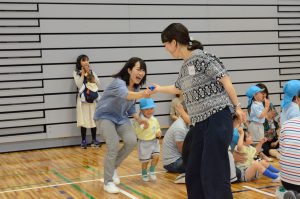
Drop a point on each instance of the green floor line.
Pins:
(73, 185)
(134, 191)
(121, 184)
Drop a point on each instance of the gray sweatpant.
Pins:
(115, 155)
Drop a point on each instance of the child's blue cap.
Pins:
(252, 90)
(146, 103)
(290, 90)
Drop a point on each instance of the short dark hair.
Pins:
(179, 33)
(78, 62)
(124, 75)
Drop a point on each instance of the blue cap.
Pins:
(146, 103)
(290, 90)
(252, 90)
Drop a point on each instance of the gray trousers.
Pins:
(115, 155)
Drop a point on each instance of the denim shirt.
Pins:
(113, 104)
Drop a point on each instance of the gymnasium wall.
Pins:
(257, 40)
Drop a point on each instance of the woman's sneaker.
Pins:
(95, 143)
(83, 144)
(110, 187)
(180, 179)
(116, 178)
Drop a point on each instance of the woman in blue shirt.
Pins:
(116, 105)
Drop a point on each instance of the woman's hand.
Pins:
(156, 88)
(240, 114)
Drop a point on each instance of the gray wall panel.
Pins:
(20, 69)
(37, 61)
(20, 100)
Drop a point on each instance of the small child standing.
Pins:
(88, 93)
(148, 144)
(257, 112)
(251, 168)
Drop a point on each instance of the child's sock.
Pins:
(270, 174)
(273, 169)
(152, 168)
(144, 172)
(144, 175)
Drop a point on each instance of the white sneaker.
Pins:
(180, 179)
(280, 191)
(145, 178)
(116, 178)
(276, 179)
(152, 176)
(110, 187)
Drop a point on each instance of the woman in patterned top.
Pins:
(208, 94)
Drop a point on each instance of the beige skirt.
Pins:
(85, 114)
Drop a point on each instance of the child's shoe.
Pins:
(145, 178)
(152, 176)
(110, 187)
(280, 191)
(116, 178)
(95, 143)
(83, 144)
(276, 179)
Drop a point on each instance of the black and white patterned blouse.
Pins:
(198, 79)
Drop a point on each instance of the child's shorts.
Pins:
(257, 131)
(243, 175)
(148, 148)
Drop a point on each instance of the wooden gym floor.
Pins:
(72, 172)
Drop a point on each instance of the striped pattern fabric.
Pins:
(290, 151)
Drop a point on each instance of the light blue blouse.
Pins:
(113, 104)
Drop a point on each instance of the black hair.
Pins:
(78, 62)
(246, 134)
(262, 86)
(124, 75)
(179, 33)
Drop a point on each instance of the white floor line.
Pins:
(259, 191)
(67, 183)
(123, 191)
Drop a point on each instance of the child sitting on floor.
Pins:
(251, 168)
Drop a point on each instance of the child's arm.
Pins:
(240, 143)
(259, 145)
(140, 121)
(265, 110)
(158, 134)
